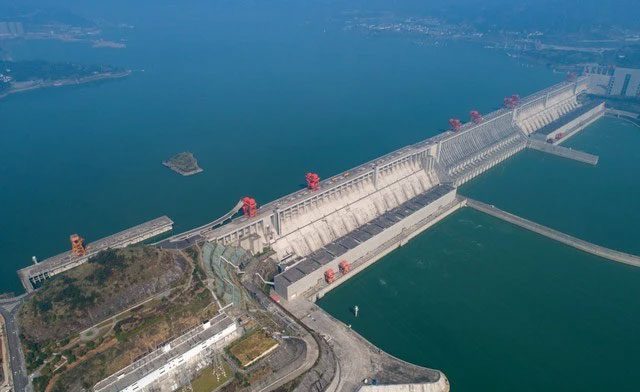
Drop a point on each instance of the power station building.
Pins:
(614, 81)
(319, 232)
(162, 369)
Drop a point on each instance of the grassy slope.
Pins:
(107, 284)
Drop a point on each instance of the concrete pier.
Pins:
(358, 359)
(563, 152)
(630, 117)
(566, 239)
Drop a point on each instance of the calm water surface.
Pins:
(261, 96)
(498, 308)
(597, 203)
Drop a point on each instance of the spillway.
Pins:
(354, 212)
(312, 231)
(472, 151)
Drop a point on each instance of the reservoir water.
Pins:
(261, 94)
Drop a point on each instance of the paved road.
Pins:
(9, 310)
(358, 359)
(190, 237)
(179, 244)
(311, 352)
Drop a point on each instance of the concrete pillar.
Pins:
(376, 174)
(426, 161)
(277, 220)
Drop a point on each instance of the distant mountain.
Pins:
(41, 15)
(542, 15)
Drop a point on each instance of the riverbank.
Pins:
(20, 87)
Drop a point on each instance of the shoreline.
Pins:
(36, 85)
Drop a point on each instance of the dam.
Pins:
(320, 234)
(34, 275)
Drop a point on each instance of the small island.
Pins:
(184, 163)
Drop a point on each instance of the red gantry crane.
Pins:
(512, 101)
(329, 275)
(345, 267)
(249, 207)
(455, 124)
(77, 245)
(476, 117)
(313, 181)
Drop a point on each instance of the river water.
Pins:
(498, 308)
(264, 94)
(259, 94)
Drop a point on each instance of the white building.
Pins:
(604, 80)
(159, 369)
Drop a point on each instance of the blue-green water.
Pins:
(260, 94)
(597, 203)
(263, 94)
(498, 308)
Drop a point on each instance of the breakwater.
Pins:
(566, 239)
(563, 152)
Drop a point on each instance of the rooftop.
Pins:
(567, 118)
(341, 245)
(161, 356)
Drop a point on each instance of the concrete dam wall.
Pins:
(327, 218)
(356, 211)
(470, 152)
(548, 105)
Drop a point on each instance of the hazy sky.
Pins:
(547, 15)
